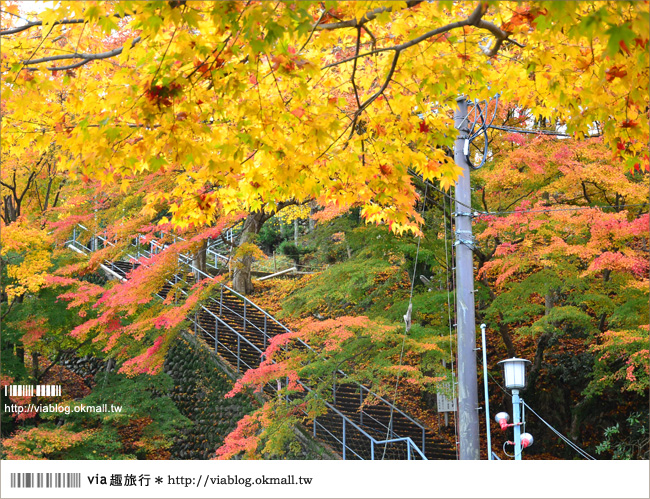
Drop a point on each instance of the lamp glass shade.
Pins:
(514, 373)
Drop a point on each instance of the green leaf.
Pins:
(157, 162)
(108, 24)
(154, 22)
(618, 34)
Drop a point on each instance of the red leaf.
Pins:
(624, 47)
(614, 72)
(386, 169)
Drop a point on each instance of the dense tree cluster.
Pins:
(174, 121)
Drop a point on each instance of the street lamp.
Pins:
(514, 375)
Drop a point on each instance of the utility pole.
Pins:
(466, 328)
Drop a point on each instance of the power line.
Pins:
(407, 320)
(580, 451)
(544, 210)
(427, 183)
(571, 444)
(450, 285)
(526, 130)
(476, 212)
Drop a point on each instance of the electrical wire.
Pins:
(525, 130)
(544, 210)
(476, 212)
(575, 447)
(450, 284)
(407, 327)
(482, 130)
(580, 451)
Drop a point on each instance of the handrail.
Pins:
(282, 272)
(308, 389)
(258, 308)
(218, 320)
(249, 301)
(362, 387)
(240, 316)
(404, 439)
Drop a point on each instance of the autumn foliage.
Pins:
(146, 130)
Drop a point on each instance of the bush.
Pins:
(293, 251)
(270, 236)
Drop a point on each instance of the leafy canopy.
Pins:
(244, 105)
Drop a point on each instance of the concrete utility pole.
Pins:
(466, 327)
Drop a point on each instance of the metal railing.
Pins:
(334, 427)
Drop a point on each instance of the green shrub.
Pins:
(270, 236)
(293, 251)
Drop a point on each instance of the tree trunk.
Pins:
(549, 302)
(35, 372)
(505, 336)
(11, 214)
(200, 261)
(241, 279)
(295, 231)
(312, 223)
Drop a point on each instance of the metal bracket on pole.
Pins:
(466, 242)
(467, 376)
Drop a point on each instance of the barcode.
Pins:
(31, 390)
(46, 480)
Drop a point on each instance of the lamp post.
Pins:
(514, 375)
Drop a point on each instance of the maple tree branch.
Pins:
(367, 17)
(372, 37)
(32, 24)
(12, 188)
(15, 15)
(38, 196)
(584, 191)
(403, 46)
(58, 192)
(57, 358)
(372, 98)
(85, 58)
(313, 30)
(277, 85)
(46, 197)
(499, 35)
(8, 309)
(483, 200)
(474, 19)
(228, 243)
(517, 200)
(354, 69)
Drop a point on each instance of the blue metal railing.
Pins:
(355, 442)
